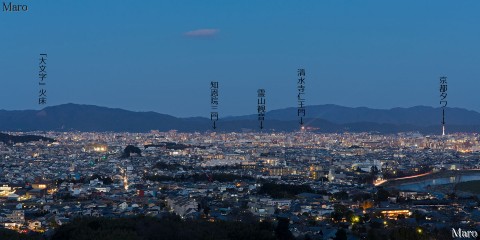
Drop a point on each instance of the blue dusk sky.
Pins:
(161, 55)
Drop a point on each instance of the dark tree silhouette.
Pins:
(382, 195)
(131, 149)
(341, 234)
(282, 231)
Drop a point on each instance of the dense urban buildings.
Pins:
(323, 185)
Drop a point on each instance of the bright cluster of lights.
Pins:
(100, 149)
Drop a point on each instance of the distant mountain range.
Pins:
(323, 118)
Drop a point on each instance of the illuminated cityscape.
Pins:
(374, 178)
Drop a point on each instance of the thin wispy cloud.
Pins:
(201, 33)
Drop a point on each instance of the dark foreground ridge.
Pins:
(140, 228)
(167, 228)
(173, 228)
(321, 118)
(11, 139)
